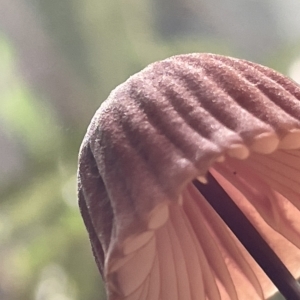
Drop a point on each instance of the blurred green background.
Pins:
(59, 60)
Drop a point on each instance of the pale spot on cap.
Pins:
(265, 143)
(135, 242)
(239, 151)
(291, 140)
(220, 159)
(202, 179)
(158, 216)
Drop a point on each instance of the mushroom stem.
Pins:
(249, 237)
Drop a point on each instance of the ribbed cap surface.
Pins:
(166, 126)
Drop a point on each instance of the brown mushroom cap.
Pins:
(153, 234)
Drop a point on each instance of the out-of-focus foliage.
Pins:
(59, 59)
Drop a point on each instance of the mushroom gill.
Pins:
(183, 134)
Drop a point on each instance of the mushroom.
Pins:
(189, 182)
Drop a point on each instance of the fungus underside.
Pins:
(252, 240)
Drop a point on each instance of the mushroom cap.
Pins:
(152, 233)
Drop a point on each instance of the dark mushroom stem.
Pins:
(249, 237)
